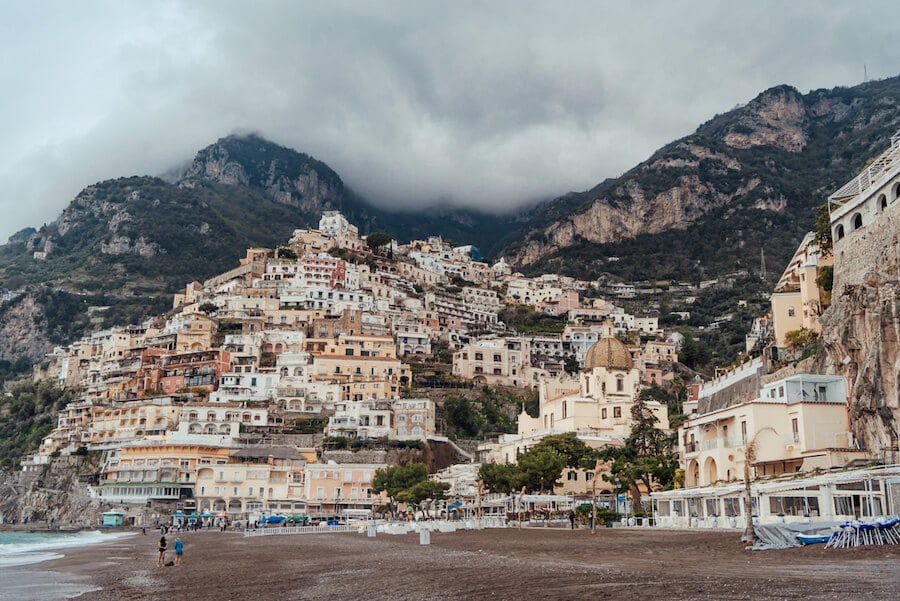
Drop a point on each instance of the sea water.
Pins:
(19, 549)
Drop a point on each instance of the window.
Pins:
(572, 476)
(603, 413)
(732, 506)
(479, 356)
(497, 358)
(620, 384)
(617, 412)
(791, 312)
(795, 428)
(794, 505)
(857, 221)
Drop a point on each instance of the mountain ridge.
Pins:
(773, 159)
(702, 205)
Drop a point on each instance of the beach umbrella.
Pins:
(206, 515)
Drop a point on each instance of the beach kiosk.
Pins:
(112, 518)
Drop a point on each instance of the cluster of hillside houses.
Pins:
(327, 327)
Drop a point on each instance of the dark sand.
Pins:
(511, 564)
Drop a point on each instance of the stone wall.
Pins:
(861, 330)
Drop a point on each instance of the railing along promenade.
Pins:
(385, 528)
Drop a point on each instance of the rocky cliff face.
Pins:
(21, 333)
(776, 118)
(56, 492)
(682, 181)
(288, 177)
(632, 209)
(779, 155)
(861, 331)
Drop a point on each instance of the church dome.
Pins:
(609, 353)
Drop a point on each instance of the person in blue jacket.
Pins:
(179, 551)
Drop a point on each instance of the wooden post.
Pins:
(749, 456)
(594, 500)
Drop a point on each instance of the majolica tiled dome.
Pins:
(609, 353)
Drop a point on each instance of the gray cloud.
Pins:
(488, 104)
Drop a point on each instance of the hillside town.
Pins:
(280, 387)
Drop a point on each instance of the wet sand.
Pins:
(511, 564)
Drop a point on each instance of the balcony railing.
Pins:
(859, 184)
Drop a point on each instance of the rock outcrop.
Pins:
(769, 160)
(861, 331)
(59, 492)
(21, 331)
(288, 177)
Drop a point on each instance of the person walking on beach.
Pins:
(179, 550)
(161, 559)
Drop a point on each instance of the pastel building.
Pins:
(596, 405)
(494, 361)
(332, 488)
(797, 300)
(253, 481)
(157, 473)
(799, 423)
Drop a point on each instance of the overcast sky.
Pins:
(488, 104)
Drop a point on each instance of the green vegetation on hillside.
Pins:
(198, 232)
(27, 415)
(493, 411)
(524, 319)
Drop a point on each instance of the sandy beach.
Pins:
(510, 564)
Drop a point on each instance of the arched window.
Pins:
(620, 383)
(839, 232)
(857, 221)
(882, 202)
